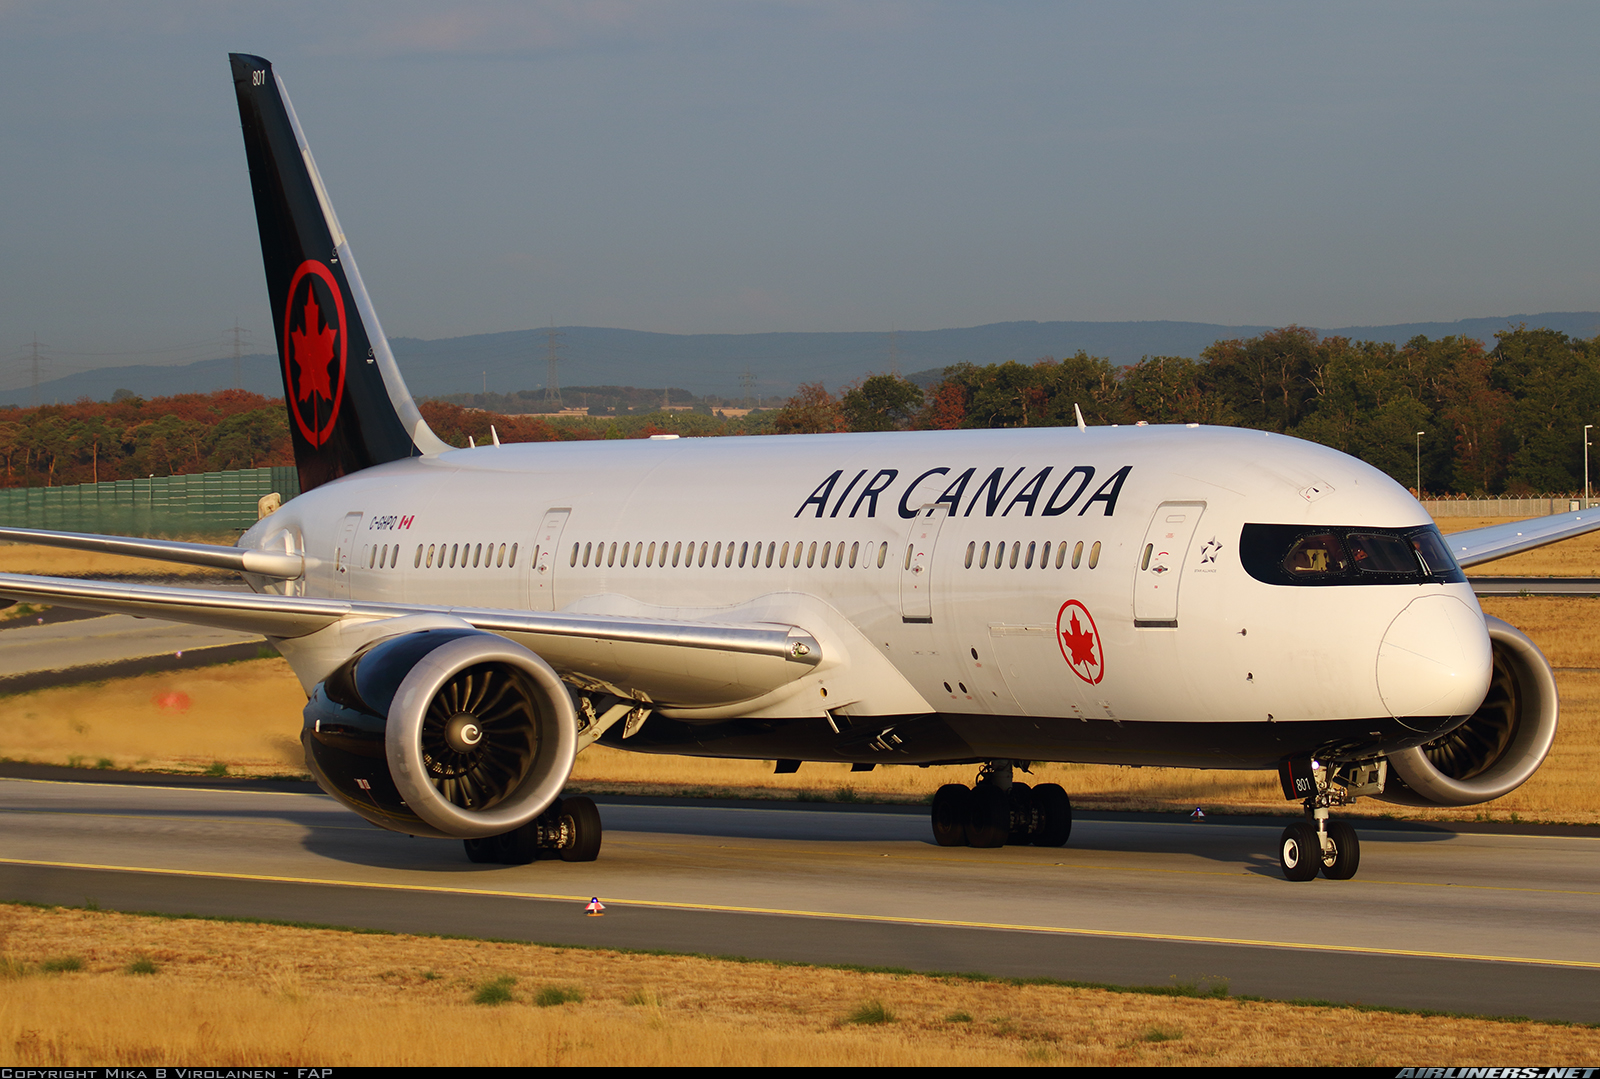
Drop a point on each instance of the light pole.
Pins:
(1419, 464)
(1586, 464)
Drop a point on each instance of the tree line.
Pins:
(1506, 420)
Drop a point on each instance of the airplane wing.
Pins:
(1479, 545)
(683, 661)
(279, 564)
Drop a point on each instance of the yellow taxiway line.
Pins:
(720, 908)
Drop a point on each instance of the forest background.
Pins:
(1506, 420)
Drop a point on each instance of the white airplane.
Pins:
(464, 621)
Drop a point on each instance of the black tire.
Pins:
(988, 816)
(584, 819)
(483, 851)
(1299, 852)
(520, 846)
(1024, 816)
(950, 815)
(1054, 810)
(1345, 859)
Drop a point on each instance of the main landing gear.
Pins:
(1319, 844)
(569, 829)
(995, 811)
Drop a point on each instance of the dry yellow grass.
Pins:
(241, 995)
(246, 715)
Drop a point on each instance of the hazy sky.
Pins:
(711, 167)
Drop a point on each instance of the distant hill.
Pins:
(777, 362)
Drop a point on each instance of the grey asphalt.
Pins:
(1471, 922)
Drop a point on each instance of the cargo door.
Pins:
(1161, 558)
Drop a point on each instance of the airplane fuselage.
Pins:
(1040, 594)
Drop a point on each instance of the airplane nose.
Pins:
(1435, 659)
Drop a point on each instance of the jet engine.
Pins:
(454, 733)
(1496, 750)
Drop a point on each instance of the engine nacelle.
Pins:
(454, 733)
(1499, 747)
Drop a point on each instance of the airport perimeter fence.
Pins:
(205, 503)
(1532, 506)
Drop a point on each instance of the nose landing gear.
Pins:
(996, 811)
(1319, 844)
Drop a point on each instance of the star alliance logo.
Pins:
(1208, 553)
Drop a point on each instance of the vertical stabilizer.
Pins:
(349, 408)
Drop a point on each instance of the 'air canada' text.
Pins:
(994, 494)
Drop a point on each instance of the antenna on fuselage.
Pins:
(494, 434)
(1078, 412)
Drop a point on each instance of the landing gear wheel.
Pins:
(988, 816)
(950, 815)
(483, 851)
(581, 817)
(1299, 852)
(1341, 863)
(1022, 815)
(1054, 810)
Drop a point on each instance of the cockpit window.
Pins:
(1378, 553)
(1301, 555)
(1316, 556)
(1434, 552)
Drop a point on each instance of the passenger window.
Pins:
(983, 556)
(417, 563)
(883, 553)
(971, 547)
(855, 547)
(1077, 554)
(1028, 563)
(1094, 555)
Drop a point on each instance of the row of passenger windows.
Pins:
(460, 556)
(979, 555)
(730, 554)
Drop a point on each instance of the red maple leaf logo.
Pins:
(1079, 643)
(1079, 640)
(313, 351)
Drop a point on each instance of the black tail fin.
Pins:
(348, 406)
